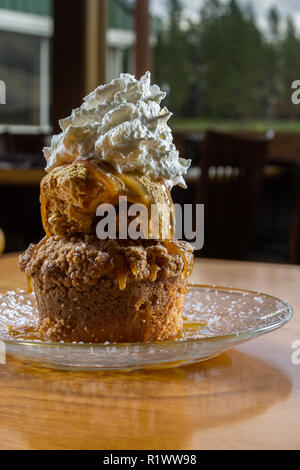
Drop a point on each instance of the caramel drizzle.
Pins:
(26, 332)
(39, 244)
(29, 284)
(194, 326)
(153, 272)
(122, 279)
(171, 208)
(173, 248)
(96, 174)
(133, 189)
(44, 210)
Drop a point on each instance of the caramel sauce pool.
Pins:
(31, 331)
(26, 333)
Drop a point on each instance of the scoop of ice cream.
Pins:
(70, 195)
(123, 124)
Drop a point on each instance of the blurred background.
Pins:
(227, 67)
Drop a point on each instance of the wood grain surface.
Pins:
(247, 398)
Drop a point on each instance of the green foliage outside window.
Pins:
(223, 65)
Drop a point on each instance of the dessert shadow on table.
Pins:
(137, 406)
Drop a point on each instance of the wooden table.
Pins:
(21, 176)
(246, 398)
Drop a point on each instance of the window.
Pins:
(24, 67)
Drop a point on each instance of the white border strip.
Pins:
(44, 82)
(26, 23)
(24, 129)
(2, 352)
(119, 37)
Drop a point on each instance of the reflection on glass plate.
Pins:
(215, 319)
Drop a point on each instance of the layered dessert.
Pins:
(95, 288)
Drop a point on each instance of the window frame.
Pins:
(42, 27)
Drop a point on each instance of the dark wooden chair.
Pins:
(5, 145)
(230, 186)
(294, 245)
(28, 143)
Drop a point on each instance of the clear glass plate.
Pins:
(215, 319)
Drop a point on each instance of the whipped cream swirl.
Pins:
(122, 124)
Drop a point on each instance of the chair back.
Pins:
(230, 187)
(294, 244)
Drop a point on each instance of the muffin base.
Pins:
(144, 311)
